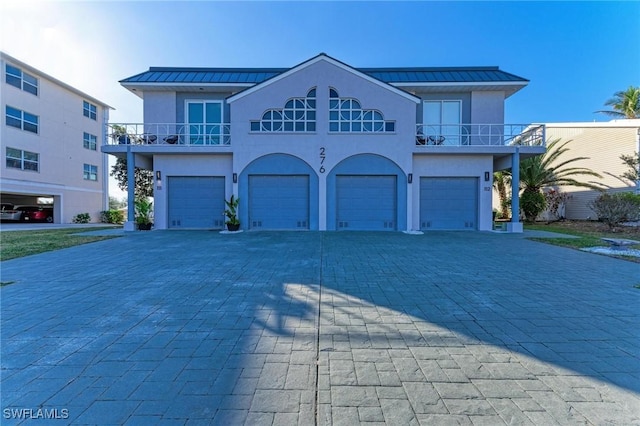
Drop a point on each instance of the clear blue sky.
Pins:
(576, 54)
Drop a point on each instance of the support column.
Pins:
(515, 225)
(130, 224)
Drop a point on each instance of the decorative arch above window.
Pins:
(347, 115)
(298, 115)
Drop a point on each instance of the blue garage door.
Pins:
(196, 202)
(366, 203)
(448, 203)
(278, 201)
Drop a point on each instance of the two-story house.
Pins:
(325, 146)
(50, 140)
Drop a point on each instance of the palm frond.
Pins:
(624, 104)
(549, 169)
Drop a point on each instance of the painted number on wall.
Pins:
(322, 158)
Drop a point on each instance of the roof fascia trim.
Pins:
(166, 84)
(461, 83)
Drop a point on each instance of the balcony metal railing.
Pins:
(169, 134)
(426, 134)
(480, 134)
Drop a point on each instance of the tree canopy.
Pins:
(143, 179)
(624, 104)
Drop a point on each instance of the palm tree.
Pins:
(549, 170)
(502, 180)
(625, 104)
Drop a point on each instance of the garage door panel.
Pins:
(366, 202)
(279, 201)
(448, 203)
(196, 202)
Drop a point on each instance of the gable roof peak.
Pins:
(333, 61)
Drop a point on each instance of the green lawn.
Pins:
(16, 244)
(586, 236)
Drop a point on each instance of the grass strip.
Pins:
(17, 244)
(584, 239)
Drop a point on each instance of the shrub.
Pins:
(614, 209)
(556, 201)
(112, 216)
(82, 218)
(532, 204)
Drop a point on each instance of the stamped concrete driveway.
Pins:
(326, 328)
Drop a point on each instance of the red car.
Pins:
(36, 213)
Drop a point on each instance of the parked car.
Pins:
(36, 213)
(8, 212)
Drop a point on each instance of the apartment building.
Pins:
(50, 141)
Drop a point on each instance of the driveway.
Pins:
(176, 327)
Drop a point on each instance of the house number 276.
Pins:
(322, 157)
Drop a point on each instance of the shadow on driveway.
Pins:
(264, 328)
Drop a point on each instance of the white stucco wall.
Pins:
(487, 107)
(399, 147)
(396, 146)
(59, 143)
(187, 165)
(454, 166)
(159, 107)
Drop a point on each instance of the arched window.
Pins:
(347, 115)
(298, 115)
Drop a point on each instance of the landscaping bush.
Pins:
(614, 209)
(112, 216)
(82, 218)
(532, 204)
(556, 201)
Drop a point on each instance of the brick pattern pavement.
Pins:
(327, 328)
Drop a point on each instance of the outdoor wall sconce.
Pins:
(486, 176)
(158, 179)
(235, 178)
(158, 175)
(410, 178)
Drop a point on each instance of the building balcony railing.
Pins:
(426, 134)
(169, 134)
(480, 134)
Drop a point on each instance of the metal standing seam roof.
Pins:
(258, 75)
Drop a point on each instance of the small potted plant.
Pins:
(144, 210)
(231, 212)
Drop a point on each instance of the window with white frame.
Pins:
(442, 121)
(90, 172)
(298, 115)
(89, 110)
(21, 119)
(204, 123)
(14, 76)
(90, 141)
(347, 115)
(22, 160)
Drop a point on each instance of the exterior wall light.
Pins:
(235, 178)
(410, 178)
(486, 176)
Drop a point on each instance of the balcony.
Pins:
(491, 135)
(178, 134)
